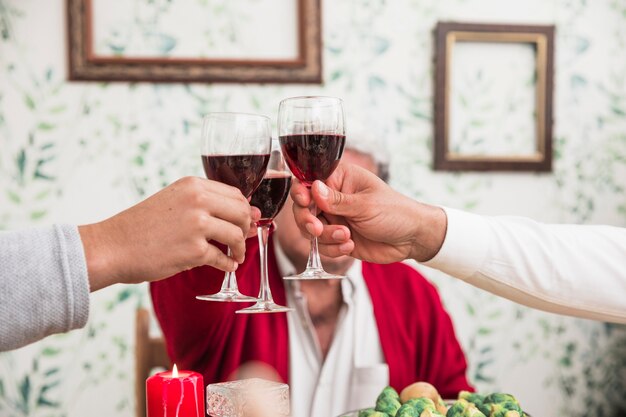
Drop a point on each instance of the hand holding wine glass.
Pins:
(367, 219)
(235, 151)
(312, 137)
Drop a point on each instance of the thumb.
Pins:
(332, 201)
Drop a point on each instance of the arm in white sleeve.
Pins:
(566, 269)
(44, 287)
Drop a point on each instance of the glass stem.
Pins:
(265, 293)
(314, 261)
(230, 280)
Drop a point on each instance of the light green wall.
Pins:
(75, 152)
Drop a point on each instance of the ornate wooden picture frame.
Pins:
(87, 64)
(472, 134)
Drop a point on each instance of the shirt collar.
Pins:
(285, 266)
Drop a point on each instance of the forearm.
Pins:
(43, 285)
(572, 270)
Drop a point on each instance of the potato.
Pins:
(423, 389)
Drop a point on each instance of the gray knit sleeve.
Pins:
(44, 288)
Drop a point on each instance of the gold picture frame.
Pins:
(541, 39)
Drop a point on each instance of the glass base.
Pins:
(264, 307)
(313, 274)
(228, 297)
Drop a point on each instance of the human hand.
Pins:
(169, 232)
(365, 218)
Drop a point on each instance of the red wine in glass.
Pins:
(312, 136)
(235, 150)
(312, 156)
(270, 196)
(242, 171)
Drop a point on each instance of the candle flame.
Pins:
(175, 372)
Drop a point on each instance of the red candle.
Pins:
(175, 394)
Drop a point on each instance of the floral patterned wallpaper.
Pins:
(78, 152)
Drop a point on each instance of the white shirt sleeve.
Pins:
(566, 269)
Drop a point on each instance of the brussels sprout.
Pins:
(501, 410)
(512, 406)
(472, 411)
(471, 397)
(463, 408)
(498, 397)
(388, 401)
(457, 409)
(370, 412)
(421, 404)
(367, 412)
(388, 405)
(407, 410)
(415, 407)
(429, 413)
(484, 408)
(390, 391)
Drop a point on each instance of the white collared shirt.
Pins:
(354, 371)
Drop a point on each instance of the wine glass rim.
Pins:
(233, 113)
(310, 97)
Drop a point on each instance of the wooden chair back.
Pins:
(150, 352)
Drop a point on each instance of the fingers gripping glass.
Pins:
(269, 197)
(235, 151)
(312, 137)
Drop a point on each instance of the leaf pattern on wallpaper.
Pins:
(96, 147)
(145, 27)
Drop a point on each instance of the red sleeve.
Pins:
(208, 337)
(194, 330)
(445, 350)
(417, 335)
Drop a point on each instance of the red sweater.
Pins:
(416, 333)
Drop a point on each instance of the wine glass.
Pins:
(235, 151)
(269, 197)
(312, 136)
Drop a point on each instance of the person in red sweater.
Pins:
(345, 341)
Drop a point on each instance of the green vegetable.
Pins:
(471, 397)
(498, 397)
(388, 405)
(391, 392)
(484, 408)
(457, 408)
(407, 410)
(421, 404)
(370, 412)
(388, 401)
(472, 411)
(505, 409)
(430, 413)
(512, 406)
(367, 412)
(463, 408)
